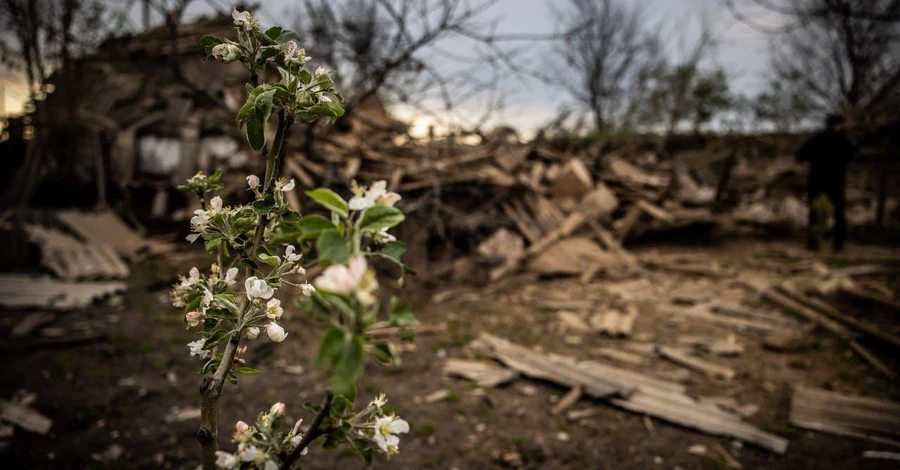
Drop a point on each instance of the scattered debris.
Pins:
(629, 390)
(846, 415)
(684, 359)
(568, 400)
(484, 374)
(21, 291)
(24, 417)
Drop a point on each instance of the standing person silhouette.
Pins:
(828, 153)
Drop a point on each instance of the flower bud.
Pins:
(253, 181)
(226, 53)
(306, 288)
(275, 332)
(277, 409)
(193, 318)
(252, 332)
(241, 426)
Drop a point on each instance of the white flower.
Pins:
(253, 182)
(383, 236)
(290, 256)
(289, 186)
(277, 409)
(320, 71)
(386, 430)
(275, 332)
(388, 199)
(258, 288)
(274, 310)
(342, 279)
(215, 204)
(193, 318)
(252, 332)
(226, 53)
(368, 199)
(225, 460)
(270, 465)
(192, 237)
(199, 220)
(301, 271)
(241, 426)
(196, 348)
(192, 279)
(248, 454)
(207, 299)
(379, 401)
(307, 289)
(231, 276)
(244, 19)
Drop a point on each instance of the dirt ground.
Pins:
(126, 391)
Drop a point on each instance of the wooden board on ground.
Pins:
(703, 366)
(698, 416)
(25, 417)
(646, 395)
(555, 369)
(483, 373)
(614, 322)
(71, 259)
(846, 415)
(106, 229)
(20, 291)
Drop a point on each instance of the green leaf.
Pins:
(214, 339)
(256, 125)
(330, 200)
(272, 261)
(246, 370)
(274, 32)
(304, 77)
(331, 347)
(380, 217)
(209, 42)
(385, 353)
(394, 250)
(229, 304)
(286, 35)
(312, 226)
(341, 406)
(246, 110)
(265, 205)
(349, 367)
(400, 314)
(332, 246)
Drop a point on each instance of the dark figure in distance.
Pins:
(828, 153)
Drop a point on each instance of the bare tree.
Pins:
(687, 92)
(612, 57)
(44, 35)
(836, 55)
(393, 49)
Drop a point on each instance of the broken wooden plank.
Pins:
(614, 322)
(574, 180)
(25, 417)
(873, 359)
(717, 346)
(705, 367)
(568, 400)
(484, 374)
(849, 415)
(701, 312)
(697, 416)
(620, 356)
(541, 366)
(792, 306)
(104, 228)
(21, 291)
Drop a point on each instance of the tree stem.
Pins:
(211, 387)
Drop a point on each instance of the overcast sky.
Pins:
(741, 50)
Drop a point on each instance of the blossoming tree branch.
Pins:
(265, 247)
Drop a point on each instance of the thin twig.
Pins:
(315, 430)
